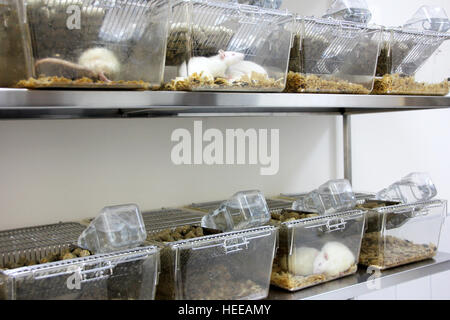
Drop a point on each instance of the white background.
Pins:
(61, 170)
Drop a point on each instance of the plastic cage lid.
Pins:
(349, 10)
(429, 18)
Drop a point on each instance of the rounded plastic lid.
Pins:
(349, 10)
(429, 18)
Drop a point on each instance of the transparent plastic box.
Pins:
(398, 234)
(221, 266)
(406, 66)
(14, 64)
(226, 46)
(94, 44)
(333, 56)
(122, 275)
(315, 249)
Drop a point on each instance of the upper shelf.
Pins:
(22, 103)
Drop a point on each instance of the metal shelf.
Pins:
(22, 103)
(357, 285)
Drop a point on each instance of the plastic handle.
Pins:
(97, 273)
(235, 247)
(335, 225)
(249, 8)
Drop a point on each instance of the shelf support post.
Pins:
(348, 147)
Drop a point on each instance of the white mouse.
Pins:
(211, 67)
(237, 70)
(301, 261)
(101, 61)
(333, 259)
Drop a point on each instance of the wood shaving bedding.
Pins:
(299, 83)
(292, 282)
(392, 252)
(398, 85)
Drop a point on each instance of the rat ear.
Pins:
(326, 256)
(222, 54)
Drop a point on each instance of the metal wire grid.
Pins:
(39, 237)
(207, 207)
(328, 44)
(410, 50)
(167, 218)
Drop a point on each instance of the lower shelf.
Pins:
(358, 284)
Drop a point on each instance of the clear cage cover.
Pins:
(416, 186)
(332, 56)
(331, 197)
(95, 44)
(245, 209)
(349, 10)
(398, 234)
(225, 46)
(115, 228)
(314, 250)
(429, 18)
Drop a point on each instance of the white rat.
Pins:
(211, 67)
(333, 259)
(301, 261)
(237, 70)
(101, 61)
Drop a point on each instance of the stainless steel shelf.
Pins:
(22, 103)
(356, 285)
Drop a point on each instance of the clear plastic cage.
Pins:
(39, 263)
(333, 56)
(313, 249)
(90, 44)
(223, 46)
(398, 234)
(406, 66)
(202, 264)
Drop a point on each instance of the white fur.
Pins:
(100, 60)
(212, 67)
(302, 260)
(236, 71)
(333, 259)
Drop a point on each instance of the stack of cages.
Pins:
(397, 234)
(315, 249)
(100, 44)
(223, 46)
(42, 263)
(333, 56)
(406, 65)
(205, 264)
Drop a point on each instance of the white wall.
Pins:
(64, 170)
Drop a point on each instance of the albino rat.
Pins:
(101, 61)
(333, 259)
(237, 70)
(301, 261)
(212, 67)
